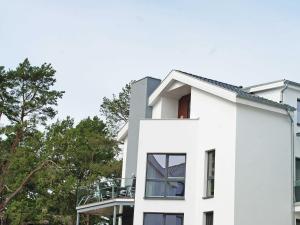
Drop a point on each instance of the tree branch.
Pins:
(24, 182)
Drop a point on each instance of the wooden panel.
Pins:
(184, 106)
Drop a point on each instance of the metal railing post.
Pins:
(77, 219)
(115, 216)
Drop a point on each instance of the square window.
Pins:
(165, 176)
(163, 219)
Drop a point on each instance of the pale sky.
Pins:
(98, 46)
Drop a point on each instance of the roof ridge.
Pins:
(209, 79)
(241, 92)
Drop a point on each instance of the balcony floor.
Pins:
(104, 208)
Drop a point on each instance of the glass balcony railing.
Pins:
(106, 190)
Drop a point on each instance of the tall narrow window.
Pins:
(209, 218)
(298, 111)
(163, 219)
(165, 175)
(297, 183)
(210, 173)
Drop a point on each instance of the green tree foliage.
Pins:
(27, 100)
(116, 109)
(42, 166)
(81, 154)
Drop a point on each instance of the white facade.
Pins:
(254, 141)
(253, 162)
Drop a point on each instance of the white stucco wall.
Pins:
(156, 109)
(253, 160)
(215, 129)
(169, 108)
(124, 158)
(263, 190)
(165, 108)
(272, 94)
(290, 97)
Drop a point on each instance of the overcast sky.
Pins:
(97, 46)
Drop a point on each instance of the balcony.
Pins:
(112, 199)
(104, 191)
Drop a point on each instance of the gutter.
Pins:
(292, 165)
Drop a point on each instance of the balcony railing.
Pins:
(106, 190)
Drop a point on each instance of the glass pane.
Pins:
(298, 111)
(174, 220)
(153, 219)
(176, 166)
(210, 187)
(209, 218)
(155, 189)
(298, 169)
(211, 164)
(156, 166)
(297, 194)
(175, 188)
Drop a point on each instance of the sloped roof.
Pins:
(240, 92)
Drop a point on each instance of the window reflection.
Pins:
(165, 175)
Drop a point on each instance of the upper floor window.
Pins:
(210, 173)
(184, 105)
(298, 111)
(165, 176)
(163, 219)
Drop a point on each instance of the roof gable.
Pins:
(221, 89)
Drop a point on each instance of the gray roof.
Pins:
(242, 93)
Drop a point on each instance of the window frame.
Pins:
(296, 188)
(207, 177)
(165, 180)
(164, 216)
(298, 112)
(205, 217)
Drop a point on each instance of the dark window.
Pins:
(163, 219)
(184, 104)
(297, 183)
(210, 173)
(298, 111)
(165, 175)
(297, 222)
(209, 218)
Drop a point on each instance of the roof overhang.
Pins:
(180, 77)
(273, 85)
(177, 76)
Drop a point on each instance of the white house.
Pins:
(199, 151)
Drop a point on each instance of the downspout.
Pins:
(292, 153)
(292, 165)
(284, 88)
